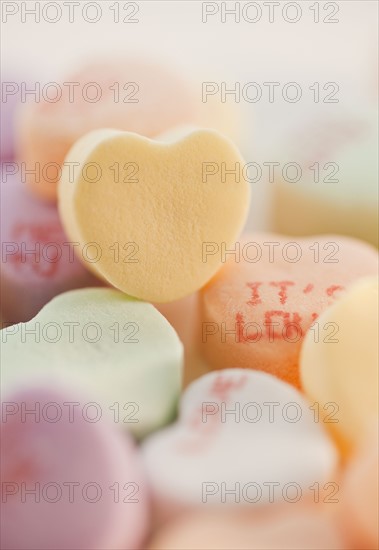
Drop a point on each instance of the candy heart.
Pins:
(67, 481)
(346, 372)
(238, 431)
(123, 352)
(337, 189)
(359, 513)
(128, 93)
(37, 261)
(222, 530)
(150, 225)
(257, 309)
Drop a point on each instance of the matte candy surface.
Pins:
(256, 311)
(268, 435)
(60, 473)
(38, 261)
(122, 351)
(346, 372)
(300, 530)
(150, 225)
(126, 93)
(359, 497)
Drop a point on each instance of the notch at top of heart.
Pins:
(144, 213)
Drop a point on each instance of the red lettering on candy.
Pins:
(308, 288)
(290, 325)
(33, 237)
(255, 298)
(283, 289)
(332, 289)
(223, 385)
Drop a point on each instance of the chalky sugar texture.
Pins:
(151, 224)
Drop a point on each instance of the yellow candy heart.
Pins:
(344, 374)
(142, 211)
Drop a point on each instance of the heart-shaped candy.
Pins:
(256, 311)
(347, 372)
(67, 480)
(128, 93)
(238, 431)
(153, 208)
(37, 261)
(123, 352)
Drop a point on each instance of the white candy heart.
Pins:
(239, 430)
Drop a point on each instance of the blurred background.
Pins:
(328, 49)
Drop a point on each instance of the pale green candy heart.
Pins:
(122, 351)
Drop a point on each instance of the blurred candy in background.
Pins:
(219, 450)
(334, 186)
(38, 260)
(296, 529)
(65, 452)
(125, 93)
